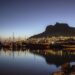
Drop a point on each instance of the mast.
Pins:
(13, 42)
(13, 37)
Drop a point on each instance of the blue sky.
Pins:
(29, 17)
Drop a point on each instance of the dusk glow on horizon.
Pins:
(30, 17)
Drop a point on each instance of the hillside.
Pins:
(59, 29)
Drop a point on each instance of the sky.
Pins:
(30, 17)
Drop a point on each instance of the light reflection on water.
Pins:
(24, 63)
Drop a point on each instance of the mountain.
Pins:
(59, 29)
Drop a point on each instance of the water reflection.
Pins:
(58, 60)
(23, 63)
(32, 62)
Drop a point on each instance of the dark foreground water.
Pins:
(30, 62)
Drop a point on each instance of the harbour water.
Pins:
(35, 62)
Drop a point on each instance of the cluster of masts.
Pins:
(13, 38)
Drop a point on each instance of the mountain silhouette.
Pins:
(59, 29)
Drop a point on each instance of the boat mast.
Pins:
(13, 37)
